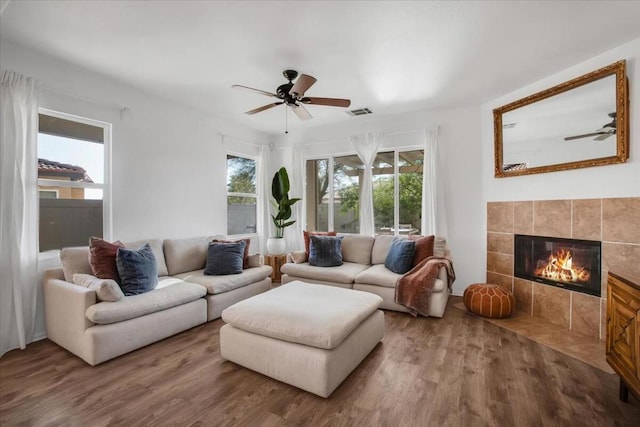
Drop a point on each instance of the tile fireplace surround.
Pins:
(615, 222)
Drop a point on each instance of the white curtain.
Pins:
(434, 203)
(263, 185)
(366, 147)
(293, 234)
(18, 210)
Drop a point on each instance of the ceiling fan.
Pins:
(601, 134)
(292, 95)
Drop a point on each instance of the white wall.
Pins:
(459, 131)
(169, 161)
(621, 180)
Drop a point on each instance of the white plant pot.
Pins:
(276, 246)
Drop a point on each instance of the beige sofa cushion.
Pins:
(314, 315)
(357, 248)
(150, 302)
(344, 273)
(183, 255)
(75, 260)
(156, 248)
(378, 275)
(229, 282)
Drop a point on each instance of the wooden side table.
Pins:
(275, 261)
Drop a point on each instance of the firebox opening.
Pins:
(568, 263)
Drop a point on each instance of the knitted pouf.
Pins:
(489, 300)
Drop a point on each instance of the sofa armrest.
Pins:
(65, 307)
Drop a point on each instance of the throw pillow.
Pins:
(325, 251)
(245, 257)
(314, 233)
(298, 257)
(424, 248)
(224, 258)
(102, 258)
(137, 269)
(400, 255)
(106, 289)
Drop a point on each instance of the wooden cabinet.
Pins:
(623, 331)
(275, 261)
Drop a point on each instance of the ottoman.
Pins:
(489, 300)
(309, 336)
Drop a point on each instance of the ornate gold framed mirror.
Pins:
(581, 123)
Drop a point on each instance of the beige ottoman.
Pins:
(309, 336)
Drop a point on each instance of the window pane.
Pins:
(67, 159)
(383, 193)
(241, 175)
(317, 195)
(241, 215)
(241, 210)
(69, 216)
(347, 173)
(411, 169)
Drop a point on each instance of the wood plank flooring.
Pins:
(455, 371)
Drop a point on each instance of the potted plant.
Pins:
(282, 205)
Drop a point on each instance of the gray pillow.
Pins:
(137, 270)
(325, 251)
(225, 258)
(400, 256)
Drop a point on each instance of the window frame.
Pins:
(107, 214)
(257, 194)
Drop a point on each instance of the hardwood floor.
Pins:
(455, 371)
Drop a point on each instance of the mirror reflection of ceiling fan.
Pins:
(601, 134)
(292, 95)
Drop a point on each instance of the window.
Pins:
(242, 197)
(397, 192)
(71, 179)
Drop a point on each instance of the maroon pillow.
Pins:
(314, 233)
(102, 258)
(245, 258)
(424, 248)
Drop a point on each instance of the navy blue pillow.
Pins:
(400, 256)
(325, 251)
(137, 270)
(224, 258)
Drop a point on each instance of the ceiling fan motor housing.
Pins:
(283, 93)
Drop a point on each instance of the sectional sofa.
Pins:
(185, 297)
(363, 269)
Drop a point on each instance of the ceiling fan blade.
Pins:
(264, 107)
(603, 137)
(301, 85)
(331, 102)
(586, 135)
(261, 92)
(301, 112)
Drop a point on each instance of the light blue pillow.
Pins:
(325, 251)
(137, 269)
(400, 256)
(224, 258)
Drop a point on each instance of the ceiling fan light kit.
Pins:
(292, 95)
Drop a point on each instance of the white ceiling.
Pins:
(392, 57)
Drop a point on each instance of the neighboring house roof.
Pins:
(50, 168)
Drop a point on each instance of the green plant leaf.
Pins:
(284, 179)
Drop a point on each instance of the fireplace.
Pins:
(567, 263)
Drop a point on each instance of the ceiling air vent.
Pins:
(359, 112)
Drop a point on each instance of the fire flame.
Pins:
(559, 267)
